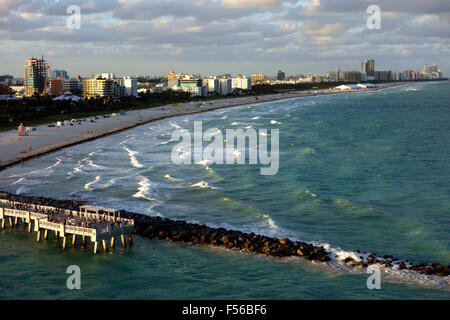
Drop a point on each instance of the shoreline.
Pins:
(16, 151)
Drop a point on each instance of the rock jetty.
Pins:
(181, 231)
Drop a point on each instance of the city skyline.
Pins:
(228, 36)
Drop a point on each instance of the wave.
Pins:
(202, 185)
(132, 154)
(175, 125)
(275, 122)
(23, 189)
(169, 177)
(144, 190)
(45, 171)
(343, 260)
(28, 182)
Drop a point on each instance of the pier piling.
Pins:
(3, 223)
(64, 242)
(38, 237)
(105, 248)
(130, 240)
(124, 245)
(95, 247)
(112, 242)
(45, 234)
(74, 240)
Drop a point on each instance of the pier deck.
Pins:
(97, 223)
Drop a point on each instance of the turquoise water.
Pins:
(366, 171)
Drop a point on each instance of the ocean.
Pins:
(367, 171)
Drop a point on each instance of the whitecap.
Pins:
(202, 185)
(144, 190)
(134, 162)
(274, 122)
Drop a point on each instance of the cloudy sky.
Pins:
(224, 36)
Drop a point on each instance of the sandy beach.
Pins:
(15, 149)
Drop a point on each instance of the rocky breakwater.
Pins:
(181, 231)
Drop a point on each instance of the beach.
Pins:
(46, 139)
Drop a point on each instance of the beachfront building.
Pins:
(431, 72)
(130, 86)
(98, 87)
(383, 75)
(258, 78)
(281, 75)
(352, 76)
(35, 76)
(368, 67)
(225, 86)
(212, 84)
(241, 83)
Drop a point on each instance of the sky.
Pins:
(148, 37)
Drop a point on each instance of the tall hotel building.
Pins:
(258, 78)
(368, 67)
(35, 76)
(98, 87)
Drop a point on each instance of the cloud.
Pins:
(227, 35)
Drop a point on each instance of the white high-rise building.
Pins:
(212, 83)
(131, 86)
(225, 86)
(241, 82)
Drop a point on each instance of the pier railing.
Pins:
(101, 225)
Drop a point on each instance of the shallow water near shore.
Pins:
(360, 170)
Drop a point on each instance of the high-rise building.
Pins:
(352, 76)
(98, 87)
(281, 75)
(241, 83)
(225, 86)
(62, 74)
(258, 78)
(212, 83)
(368, 67)
(35, 77)
(335, 75)
(130, 86)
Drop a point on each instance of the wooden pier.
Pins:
(100, 225)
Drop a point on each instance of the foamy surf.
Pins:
(202, 185)
(349, 261)
(145, 190)
(132, 154)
